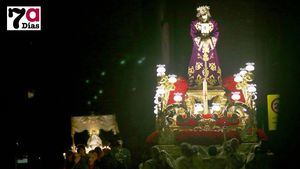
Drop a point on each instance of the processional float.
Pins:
(205, 105)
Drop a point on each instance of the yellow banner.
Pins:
(273, 109)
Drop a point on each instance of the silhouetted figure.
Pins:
(122, 155)
(257, 158)
(234, 159)
(69, 161)
(154, 162)
(80, 158)
(214, 161)
(93, 155)
(188, 159)
(167, 161)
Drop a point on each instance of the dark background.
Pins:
(79, 41)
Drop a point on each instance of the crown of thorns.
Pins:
(203, 9)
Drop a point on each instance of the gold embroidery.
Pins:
(205, 72)
(211, 76)
(199, 79)
(198, 65)
(205, 57)
(212, 66)
(211, 80)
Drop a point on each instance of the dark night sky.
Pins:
(78, 41)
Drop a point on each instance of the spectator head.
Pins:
(69, 155)
(228, 149)
(106, 151)
(77, 157)
(212, 150)
(257, 149)
(92, 157)
(81, 149)
(118, 143)
(195, 149)
(99, 152)
(186, 149)
(234, 143)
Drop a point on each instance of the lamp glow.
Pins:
(235, 96)
(251, 88)
(160, 90)
(160, 70)
(178, 97)
(155, 110)
(238, 78)
(216, 107)
(198, 107)
(242, 71)
(156, 100)
(172, 78)
(250, 67)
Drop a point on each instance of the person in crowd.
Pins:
(234, 159)
(257, 158)
(122, 155)
(156, 161)
(167, 161)
(69, 161)
(187, 160)
(93, 155)
(79, 162)
(214, 161)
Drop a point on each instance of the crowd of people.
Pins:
(116, 157)
(226, 156)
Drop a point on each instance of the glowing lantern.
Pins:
(238, 78)
(178, 97)
(160, 70)
(172, 79)
(249, 67)
(235, 96)
(251, 88)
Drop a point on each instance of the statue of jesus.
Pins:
(204, 62)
